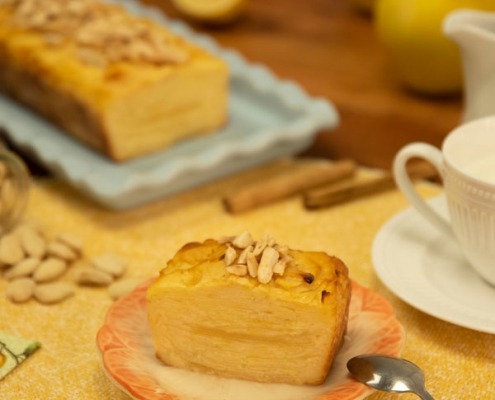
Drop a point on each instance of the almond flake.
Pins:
(243, 240)
(280, 266)
(243, 256)
(268, 260)
(237, 269)
(105, 28)
(252, 265)
(261, 245)
(230, 256)
(258, 259)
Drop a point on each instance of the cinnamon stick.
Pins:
(291, 182)
(330, 195)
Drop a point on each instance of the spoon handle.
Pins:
(425, 395)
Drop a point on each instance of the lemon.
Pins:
(422, 57)
(212, 11)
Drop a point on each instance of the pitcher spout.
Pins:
(474, 33)
(467, 27)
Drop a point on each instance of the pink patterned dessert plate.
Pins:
(128, 356)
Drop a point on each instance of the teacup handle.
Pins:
(405, 184)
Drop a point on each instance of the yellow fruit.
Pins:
(422, 57)
(212, 11)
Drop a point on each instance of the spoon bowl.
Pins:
(389, 374)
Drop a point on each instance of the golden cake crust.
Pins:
(287, 330)
(123, 85)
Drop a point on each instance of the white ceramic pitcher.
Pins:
(474, 33)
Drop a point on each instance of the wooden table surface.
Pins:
(332, 51)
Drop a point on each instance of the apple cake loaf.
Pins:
(253, 310)
(123, 85)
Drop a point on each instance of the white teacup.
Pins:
(466, 164)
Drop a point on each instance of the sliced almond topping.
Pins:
(252, 265)
(237, 269)
(11, 251)
(106, 29)
(243, 256)
(230, 256)
(280, 266)
(92, 57)
(261, 245)
(268, 260)
(243, 240)
(282, 249)
(258, 259)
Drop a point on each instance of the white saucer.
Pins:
(427, 270)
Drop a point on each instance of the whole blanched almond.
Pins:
(29, 224)
(71, 240)
(110, 263)
(49, 270)
(61, 250)
(80, 263)
(11, 251)
(93, 277)
(22, 269)
(49, 293)
(20, 290)
(32, 242)
(122, 287)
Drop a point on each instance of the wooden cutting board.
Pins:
(332, 51)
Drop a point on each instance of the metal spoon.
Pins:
(389, 374)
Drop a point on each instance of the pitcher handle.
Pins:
(405, 184)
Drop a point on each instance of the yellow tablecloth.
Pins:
(459, 363)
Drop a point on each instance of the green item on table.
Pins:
(13, 351)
